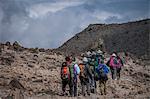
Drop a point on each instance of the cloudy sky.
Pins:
(49, 23)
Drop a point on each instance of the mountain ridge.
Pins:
(111, 37)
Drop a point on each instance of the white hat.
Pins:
(93, 53)
(85, 59)
(99, 52)
(88, 53)
(114, 55)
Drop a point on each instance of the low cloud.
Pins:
(48, 24)
(104, 16)
(39, 10)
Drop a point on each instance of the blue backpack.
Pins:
(101, 71)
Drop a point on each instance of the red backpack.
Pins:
(65, 74)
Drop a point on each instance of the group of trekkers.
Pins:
(89, 69)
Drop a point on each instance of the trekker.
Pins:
(74, 72)
(92, 66)
(70, 82)
(97, 58)
(100, 55)
(102, 70)
(119, 66)
(115, 63)
(85, 86)
(65, 76)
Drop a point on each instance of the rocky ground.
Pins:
(34, 74)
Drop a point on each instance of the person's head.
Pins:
(67, 58)
(88, 54)
(114, 54)
(99, 52)
(85, 60)
(93, 53)
(82, 55)
(64, 64)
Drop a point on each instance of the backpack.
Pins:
(103, 75)
(83, 71)
(92, 66)
(74, 70)
(106, 69)
(101, 72)
(115, 62)
(65, 72)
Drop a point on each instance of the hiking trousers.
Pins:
(102, 86)
(118, 73)
(73, 87)
(113, 73)
(64, 84)
(92, 83)
(85, 85)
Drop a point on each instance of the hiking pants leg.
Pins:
(113, 73)
(104, 87)
(75, 88)
(101, 87)
(93, 84)
(88, 87)
(64, 83)
(83, 87)
(90, 81)
(71, 88)
(118, 73)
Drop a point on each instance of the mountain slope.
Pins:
(130, 37)
(35, 74)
